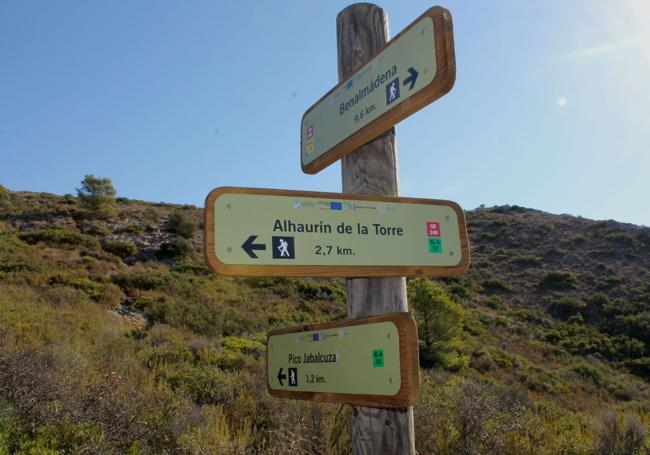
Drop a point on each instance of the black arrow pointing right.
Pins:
(412, 78)
(250, 247)
(281, 376)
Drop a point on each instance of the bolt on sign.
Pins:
(371, 361)
(412, 70)
(258, 232)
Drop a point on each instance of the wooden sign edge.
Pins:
(441, 84)
(409, 391)
(355, 271)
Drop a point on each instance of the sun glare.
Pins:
(639, 11)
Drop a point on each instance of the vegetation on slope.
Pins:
(116, 338)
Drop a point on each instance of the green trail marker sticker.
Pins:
(378, 358)
(435, 246)
(412, 70)
(251, 232)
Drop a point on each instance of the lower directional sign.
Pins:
(255, 232)
(367, 362)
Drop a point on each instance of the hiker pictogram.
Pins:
(283, 248)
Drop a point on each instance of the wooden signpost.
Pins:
(412, 70)
(369, 362)
(256, 232)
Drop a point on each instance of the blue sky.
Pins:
(169, 99)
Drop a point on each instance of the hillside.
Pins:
(116, 338)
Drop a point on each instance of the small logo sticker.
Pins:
(433, 229)
(435, 245)
(378, 358)
(336, 206)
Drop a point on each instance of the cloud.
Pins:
(600, 49)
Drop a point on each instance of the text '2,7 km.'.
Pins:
(412, 70)
(257, 232)
(368, 362)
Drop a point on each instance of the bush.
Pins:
(495, 285)
(558, 281)
(97, 196)
(589, 373)
(526, 261)
(97, 231)
(120, 248)
(4, 192)
(566, 307)
(620, 436)
(134, 229)
(58, 238)
(182, 224)
(144, 280)
(440, 323)
(176, 248)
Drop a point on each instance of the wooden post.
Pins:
(362, 29)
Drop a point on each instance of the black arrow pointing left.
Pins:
(250, 247)
(413, 76)
(281, 376)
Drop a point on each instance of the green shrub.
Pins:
(609, 283)
(145, 280)
(566, 307)
(242, 345)
(526, 261)
(558, 281)
(176, 248)
(204, 386)
(97, 196)
(639, 367)
(624, 238)
(495, 285)
(589, 372)
(59, 238)
(494, 301)
(4, 192)
(182, 224)
(91, 288)
(134, 229)
(151, 214)
(440, 323)
(97, 231)
(195, 269)
(625, 436)
(120, 248)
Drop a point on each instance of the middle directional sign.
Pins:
(415, 68)
(256, 232)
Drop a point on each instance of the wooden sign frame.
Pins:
(441, 84)
(409, 391)
(355, 271)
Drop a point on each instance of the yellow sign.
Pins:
(295, 233)
(412, 70)
(371, 360)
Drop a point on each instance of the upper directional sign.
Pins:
(415, 68)
(254, 232)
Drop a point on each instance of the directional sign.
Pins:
(368, 362)
(412, 70)
(255, 232)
